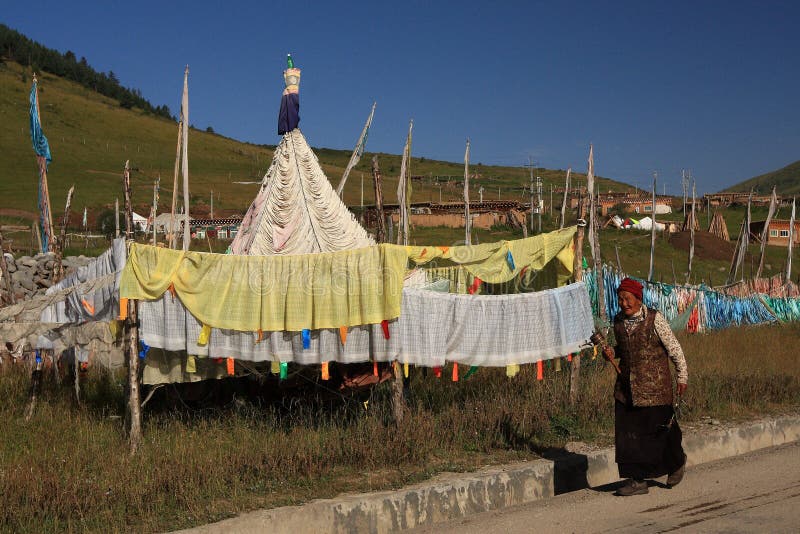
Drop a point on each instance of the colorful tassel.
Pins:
(231, 366)
(512, 369)
(540, 370)
(374, 368)
(343, 334)
(557, 363)
(510, 261)
(87, 306)
(171, 290)
(205, 335)
(259, 336)
(476, 283)
(471, 371)
(424, 251)
(284, 370)
(405, 370)
(144, 350)
(523, 271)
(325, 372)
(123, 309)
(275, 368)
(437, 372)
(444, 250)
(385, 328)
(455, 372)
(569, 357)
(306, 339)
(191, 364)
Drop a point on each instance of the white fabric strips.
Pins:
(297, 211)
(434, 328)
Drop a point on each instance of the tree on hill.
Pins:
(16, 47)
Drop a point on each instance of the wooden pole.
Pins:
(577, 268)
(619, 263)
(564, 202)
(185, 160)
(133, 414)
(173, 242)
(691, 234)
(467, 219)
(58, 271)
(791, 243)
(116, 218)
(380, 232)
(653, 230)
(773, 201)
(398, 400)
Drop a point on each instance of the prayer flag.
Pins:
(191, 364)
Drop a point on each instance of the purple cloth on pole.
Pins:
(289, 115)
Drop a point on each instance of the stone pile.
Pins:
(31, 276)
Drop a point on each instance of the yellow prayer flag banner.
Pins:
(489, 261)
(273, 293)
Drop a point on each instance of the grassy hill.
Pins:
(91, 136)
(786, 180)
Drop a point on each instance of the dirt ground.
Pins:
(706, 246)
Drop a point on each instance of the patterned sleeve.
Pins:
(673, 348)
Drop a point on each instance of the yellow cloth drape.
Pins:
(273, 293)
(324, 290)
(489, 261)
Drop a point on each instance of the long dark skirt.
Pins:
(647, 445)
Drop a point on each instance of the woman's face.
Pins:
(628, 303)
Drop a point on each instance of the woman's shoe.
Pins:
(633, 487)
(675, 478)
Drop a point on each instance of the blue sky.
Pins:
(710, 86)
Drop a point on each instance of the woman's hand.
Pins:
(681, 389)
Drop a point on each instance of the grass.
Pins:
(68, 469)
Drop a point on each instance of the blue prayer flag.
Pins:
(40, 144)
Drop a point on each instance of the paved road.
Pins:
(756, 492)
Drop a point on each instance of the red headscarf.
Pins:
(631, 286)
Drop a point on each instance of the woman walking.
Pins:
(647, 435)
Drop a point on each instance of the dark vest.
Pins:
(645, 378)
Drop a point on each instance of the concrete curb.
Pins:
(452, 496)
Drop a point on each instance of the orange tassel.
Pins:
(231, 366)
(260, 336)
(87, 306)
(424, 251)
(540, 370)
(325, 373)
(569, 357)
(171, 290)
(343, 334)
(375, 368)
(437, 372)
(444, 249)
(455, 372)
(123, 309)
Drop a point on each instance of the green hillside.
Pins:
(786, 180)
(91, 136)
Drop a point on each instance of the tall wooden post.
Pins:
(187, 231)
(467, 216)
(133, 415)
(564, 202)
(691, 234)
(791, 244)
(380, 232)
(58, 270)
(116, 218)
(773, 201)
(577, 268)
(653, 230)
(172, 237)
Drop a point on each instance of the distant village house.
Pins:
(778, 232)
